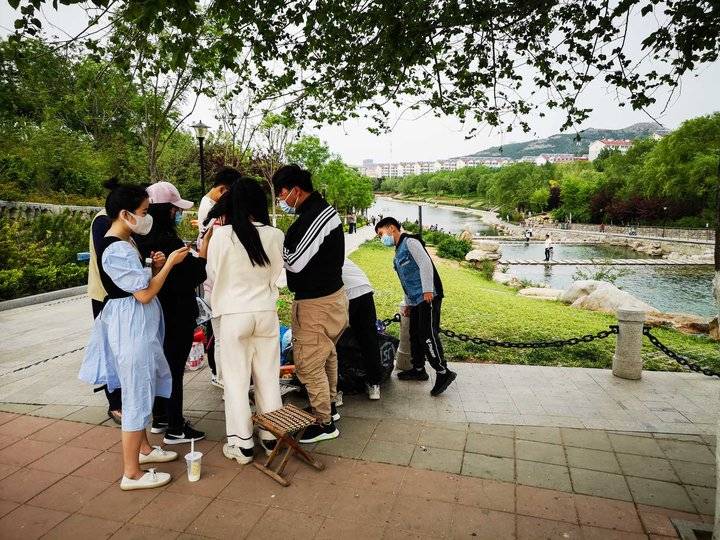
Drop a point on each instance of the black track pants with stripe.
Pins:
(425, 335)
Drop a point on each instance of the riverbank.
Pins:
(479, 307)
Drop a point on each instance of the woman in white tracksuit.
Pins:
(244, 263)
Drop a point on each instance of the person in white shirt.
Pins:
(363, 319)
(244, 262)
(548, 247)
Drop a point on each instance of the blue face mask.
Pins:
(387, 240)
(285, 206)
(178, 217)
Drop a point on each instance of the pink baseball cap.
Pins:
(165, 192)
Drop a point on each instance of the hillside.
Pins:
(565, 143)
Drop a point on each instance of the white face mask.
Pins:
(142, 224)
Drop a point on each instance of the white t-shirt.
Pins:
(206, 205)
(355, 280)
(548, 243)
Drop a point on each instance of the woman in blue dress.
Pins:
(126, 345)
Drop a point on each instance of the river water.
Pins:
(667, 288)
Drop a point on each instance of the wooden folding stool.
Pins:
(288, 425)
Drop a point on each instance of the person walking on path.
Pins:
(423, 302)
(548, 248)
(245, 259)
(352, 223)
(178, 300)
(98, 229)
(126, 345)
(363, 322)
(314, 252)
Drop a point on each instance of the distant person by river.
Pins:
(548, 248)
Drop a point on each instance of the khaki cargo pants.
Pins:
(316, 326)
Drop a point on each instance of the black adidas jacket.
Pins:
(314, 250)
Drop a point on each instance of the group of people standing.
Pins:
(143, 283)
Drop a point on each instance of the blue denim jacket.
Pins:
(409, 273)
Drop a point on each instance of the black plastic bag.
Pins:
(351, 373)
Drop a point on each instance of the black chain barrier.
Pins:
(614, 329)
(679, 358)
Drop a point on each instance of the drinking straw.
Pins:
(192, 447)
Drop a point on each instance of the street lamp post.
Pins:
(664, 220)
(200, 132)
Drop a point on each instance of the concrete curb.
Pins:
(42, 298)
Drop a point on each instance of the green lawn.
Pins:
(476, 306)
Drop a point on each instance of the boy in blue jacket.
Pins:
(423, 301)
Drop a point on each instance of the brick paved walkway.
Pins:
(59, 479)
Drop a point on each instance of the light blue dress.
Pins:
(126, 344)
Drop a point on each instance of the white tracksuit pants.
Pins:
(215, 322)
(250, 346)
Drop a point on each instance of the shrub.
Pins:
(452, 248)
(487, 269)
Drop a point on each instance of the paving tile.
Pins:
(25, 451)
(600, 484)
(657, 520)
(64, 459)
(357, 504)
(703, 498)
(482, 524)
(597, 533)
(544, 475)
(379, 476)
(430, 517)
(89, 415)
(213, 481)
(7, 470)
(118, 505)
(586, 438)
(696, 474)
(596, 460)
(26, 522)
(60, 432)
(443, 438)
(431, 485)
(647, 467)
(333, 529)
(492, 429)
(337, 470)
(397, 431)
(540, 451)
(171, 510)
(657, 493)
(251, 480)
(6, 417)
(56, 411)
(490, 445)
(7, 507)
(342, 446)
(7, 440)
(530, 528)
(214, 429)
(22, 426)
(107, 467)
(397, 453)
(437, 459)
(69, 494)
(546, 504)
(80, 526)
(310, 496)
(25, 484)
(129, 531)
(687, 451)
(633, 444)
(491, 467)
(539, 434)
(489, 494)
(18, 408)
(276, 523)
(98, 437)
(227, 519)
(607, 513)
(358, 428)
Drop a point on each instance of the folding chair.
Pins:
(288, 425)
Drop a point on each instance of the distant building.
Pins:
(406, 168)
(542, 159)
(622, 145)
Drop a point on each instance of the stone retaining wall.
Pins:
(29, 210)
(690, 234)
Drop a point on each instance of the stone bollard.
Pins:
(627, 362)
(403, 360)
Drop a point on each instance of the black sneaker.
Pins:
(320, 432)
(334, 412)
(413, 375)
(159, 426)
(184, 435)
(442, 381)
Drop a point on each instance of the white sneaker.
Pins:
(373, 391)
(158, 455)
(149, 480)
(217, 382)
(236, 453)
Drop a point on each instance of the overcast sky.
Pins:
(430, 138)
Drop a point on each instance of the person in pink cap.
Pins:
(179, 306)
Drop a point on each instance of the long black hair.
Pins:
(123, 197)
(247, 202)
